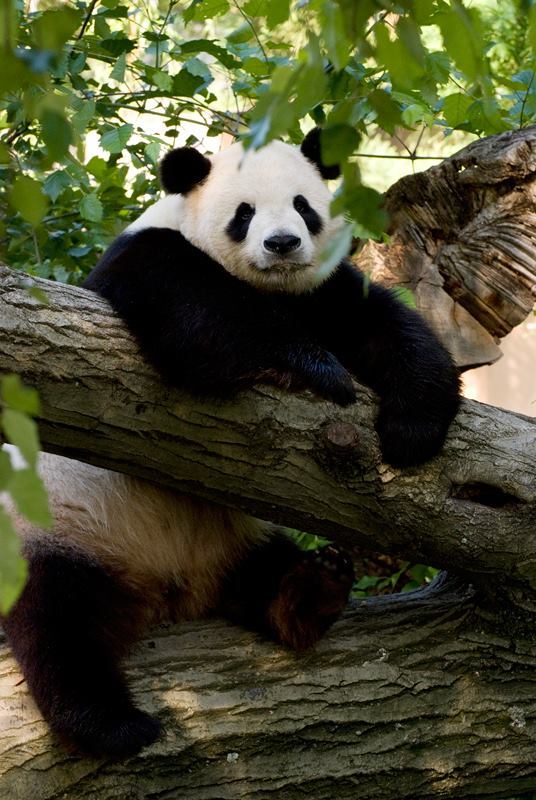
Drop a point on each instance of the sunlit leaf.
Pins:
(55, 26)
(115, 141)
(27, 490)
(91, 208)
(55, 183)
(337, 143)
(118, 71)
(405, 296)
(13, 568)
(334, 34)
(277, 12)
(336, 249)
(455, 108)
(19, 397)
(21, 431)
(28, 199)
(57, 133)
(461, 34)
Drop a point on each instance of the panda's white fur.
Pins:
(268, 180)
(151, 536)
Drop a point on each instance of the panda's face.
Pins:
(263, 215)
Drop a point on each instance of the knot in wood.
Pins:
(341, 436)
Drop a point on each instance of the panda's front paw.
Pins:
(323, 374)
(407, 440)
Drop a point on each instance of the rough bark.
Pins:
(429, 695)
(463, 239)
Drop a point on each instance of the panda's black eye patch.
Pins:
(308, 214)
(237, 229)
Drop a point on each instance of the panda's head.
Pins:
(263, 215)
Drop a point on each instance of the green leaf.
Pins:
(28, 199)
(118, 44)
(6, 471)
(57, 133)
(531, 36)
(337, 143)
(485, 117)
(455, 108)
(335, 250)
(405, 296)
(118, 72)
(27, 490)
(21, 431)
(84, 114)
(185, 84)
(162, 80)
(277, 12)
(462, 38)
(388, 112)
(55, 184)
(334, 35)
(19, 397)
(39, 295)
(201, 10)
(152, 151)
(208, 46)
(365, 206)
(91, 208)
(55, 26)
(401, 63)
(13, 569)
(115, 140)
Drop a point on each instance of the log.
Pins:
(463, 239)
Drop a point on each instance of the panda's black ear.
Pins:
(310, 148)
(182, 169)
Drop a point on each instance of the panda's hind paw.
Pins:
(312, 596)
(114, 736)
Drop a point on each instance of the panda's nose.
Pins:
(282, 244)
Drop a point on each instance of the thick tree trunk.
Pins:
(428, 695)
(463, 239)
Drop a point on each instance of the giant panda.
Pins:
(222, 284)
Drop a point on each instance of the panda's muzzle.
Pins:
(282, 244)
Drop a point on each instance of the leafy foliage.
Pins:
(92, 92)
(18, 405)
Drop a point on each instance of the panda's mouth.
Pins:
(283, 268)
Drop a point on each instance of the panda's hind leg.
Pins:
(288, 594)
(69, 630)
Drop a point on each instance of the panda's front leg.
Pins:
(390, 348)
(287, 594)
(69, 630)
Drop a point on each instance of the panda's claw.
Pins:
(323, 374)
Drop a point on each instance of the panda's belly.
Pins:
(154, 538)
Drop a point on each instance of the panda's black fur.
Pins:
(213, 333)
